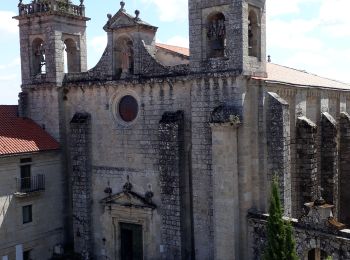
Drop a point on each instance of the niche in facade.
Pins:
(253, 33)
(71, 56)
(38, 57)
(216, 34)
(124, 57)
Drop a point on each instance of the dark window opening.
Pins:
(26, 255)
(26, 160)
(131, 242)
(27, 214)
(128, 108)
(216, 36)
(26, 177)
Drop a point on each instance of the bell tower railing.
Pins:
(45, 6)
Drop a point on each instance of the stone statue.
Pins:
(126, 56)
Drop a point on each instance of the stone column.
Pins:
(171, 151)
(305, 180)
(225, 191)
(329, 160)
(80, 150)
(278, 147)
(344, 168)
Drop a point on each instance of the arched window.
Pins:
(38, 57)
(71, 56)
(216, 36)
(124, 57)
(253, 34)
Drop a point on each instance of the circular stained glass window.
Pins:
(128, 108)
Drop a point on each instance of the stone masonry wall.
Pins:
(344, 169)
(80, 149)
(171, 139)
(329, 160)
(278, 147)
(336, 244)
(305, 181)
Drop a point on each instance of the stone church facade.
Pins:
(169, 153)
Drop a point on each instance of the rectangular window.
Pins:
(27, 214)
(26, 160)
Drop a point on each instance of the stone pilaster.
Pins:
(304, 182)
(278, 147)
(329, 160)
(80, 150)
(344, 168)
(23, 104)
(225, 190)
(171, 138)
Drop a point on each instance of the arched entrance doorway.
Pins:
(317, 254)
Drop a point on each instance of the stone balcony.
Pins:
(51, 6)
(26, 187)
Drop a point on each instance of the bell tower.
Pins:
(52, 40)
(228, 35)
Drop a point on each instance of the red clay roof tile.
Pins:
(22, 135)
(177, 49)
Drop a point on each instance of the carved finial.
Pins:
(269, 58)
(137, 13)
(319, 200)
(81, 2)
(20, 3)
(109, 16)
(122, 4)
(127, 186)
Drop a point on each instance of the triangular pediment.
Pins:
(128, 199)
(122, 19)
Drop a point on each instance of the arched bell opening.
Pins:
(38, 57)
(216, 35)
(71, 56)
(253, 34)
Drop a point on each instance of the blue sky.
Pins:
(312, 35)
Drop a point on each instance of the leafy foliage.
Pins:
(280, 241)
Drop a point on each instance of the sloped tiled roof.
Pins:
(281, 74)
(172, 48)
(20, 135)
(278, 73)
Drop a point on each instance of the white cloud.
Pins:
(15, 63)
(8, 77)
(170, 10)
(178, 41)
(334, 17)
(7, 24)
(283, 7)
(98, 43)
(293, 35)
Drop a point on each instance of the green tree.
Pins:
(291, 253)
(280, 242)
